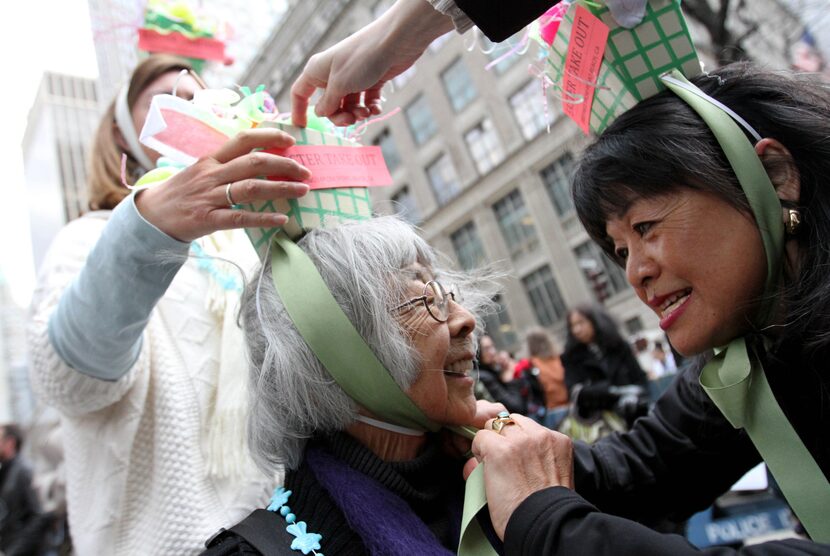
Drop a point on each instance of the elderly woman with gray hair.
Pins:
(356, 484)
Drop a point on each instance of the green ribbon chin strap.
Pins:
(353, 365)
(734, 380)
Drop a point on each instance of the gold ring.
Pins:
(502, 420)
(228, 195)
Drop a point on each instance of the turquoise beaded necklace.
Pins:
(304, 541)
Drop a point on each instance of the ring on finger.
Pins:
(228, 196)
(502, 420)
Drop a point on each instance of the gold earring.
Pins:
(793, 221)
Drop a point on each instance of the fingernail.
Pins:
(280, 220)
(301, 188)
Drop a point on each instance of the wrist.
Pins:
(417, 22)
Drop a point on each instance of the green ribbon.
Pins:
(734, 380)
(353, 365)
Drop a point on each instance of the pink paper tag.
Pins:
(550, 20)
(189, 135)
(333, 166)
(586, 48)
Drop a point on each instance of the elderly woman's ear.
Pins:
(781, 169)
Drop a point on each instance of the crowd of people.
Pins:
(323, 399)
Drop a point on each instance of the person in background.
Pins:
(19, 507)
(506, 364)
(544, 378)
(598, 361)
(137, 344)
(490, 379)
(663, 362)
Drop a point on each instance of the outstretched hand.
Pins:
(194, 202)
(354, 71)
(521, 459)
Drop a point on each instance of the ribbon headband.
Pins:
(124, 121)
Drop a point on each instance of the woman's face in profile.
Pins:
(581, 327)
(443, 388)
(697, 261)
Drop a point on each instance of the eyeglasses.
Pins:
(435, 298)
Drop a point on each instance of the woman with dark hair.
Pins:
(598, 361)
(137, 345)
(723, 232)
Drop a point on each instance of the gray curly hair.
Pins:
(292, 395)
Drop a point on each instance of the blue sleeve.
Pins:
(98, 324)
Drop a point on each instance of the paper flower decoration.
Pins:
(174, 27)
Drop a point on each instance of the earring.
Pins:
(793, 221)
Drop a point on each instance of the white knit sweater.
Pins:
(137, 480)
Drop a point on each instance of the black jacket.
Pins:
(509, 394)
(673, 463)
(20, 523)
(616, 367)
(499, 19)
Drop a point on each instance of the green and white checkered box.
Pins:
(320, 208)
(634, 58)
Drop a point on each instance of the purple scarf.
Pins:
(384, 521)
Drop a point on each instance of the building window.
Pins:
(544, 296)
(516, 223)
(484, 145)
(458, 85)
(528, 106)
(387, 147)
(634, 325)
(405, 206)
(443, 179)
(468, 246)
(602, 274)
(495, 51)
(499, 326)
(557, 178)
(421, 122)
(402, 79)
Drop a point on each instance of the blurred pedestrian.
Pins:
(547, 393)
(19, 507)
(138, 346)
(490, 378)
(599, 361)
(507, 365)
(663, 364)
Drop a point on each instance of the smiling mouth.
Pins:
(460, 368)
(673, 302)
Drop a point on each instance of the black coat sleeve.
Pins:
(559, 521)
(499, 19)
(672, 463)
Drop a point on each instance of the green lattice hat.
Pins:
(631, 64)
(320, 208)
